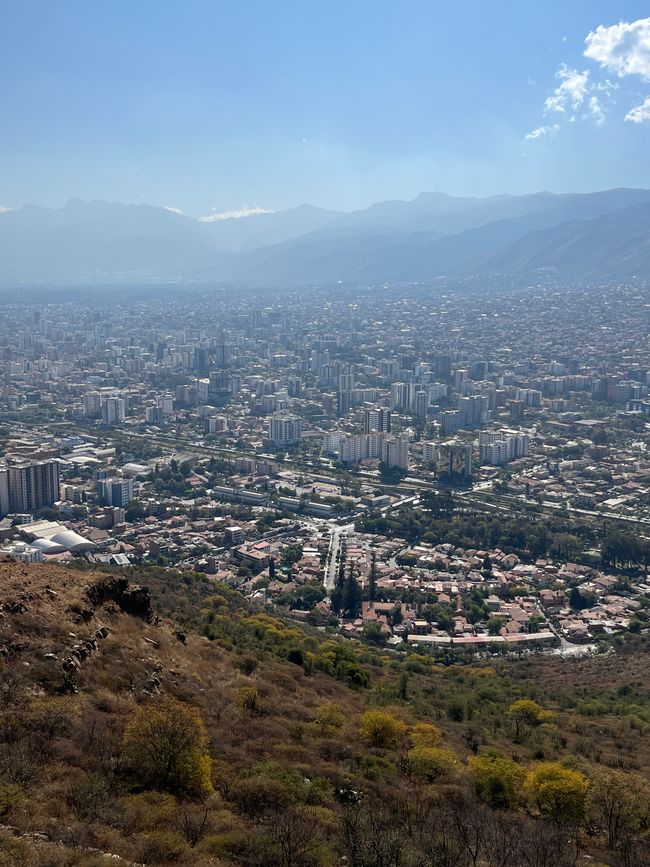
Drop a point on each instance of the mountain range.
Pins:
(596, 236)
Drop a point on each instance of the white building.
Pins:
(284, 430)
(22, 552)
(165, 404)
(363, 447)
(498, 448)
(429, 452)
(395, 452)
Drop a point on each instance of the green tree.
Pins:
(557, 792)
(135, 511)
(351, 596)
(167, 747)
(526, 712)
(498, 781)
(380, 729)
(291, 554)
(430, 763)
(372, 578)
(374, 634)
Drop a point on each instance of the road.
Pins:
(336, 534)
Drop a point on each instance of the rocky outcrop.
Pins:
(132, 599)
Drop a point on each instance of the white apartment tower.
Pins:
(284, 430)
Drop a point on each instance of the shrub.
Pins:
(557, 792)
(526, 712)
(248, 699)
(380, 729)
(258, 795)
(430, 763)
(162, 847)
(247, 665)
(11, 795)
(329, 717)
(425, 735)
(497, 780)
(167, 747)
(456, 711)
(88, 798)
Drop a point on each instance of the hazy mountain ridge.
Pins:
(597, 235)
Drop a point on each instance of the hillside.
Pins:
(610, 246)
(591, 235)
(226, 736)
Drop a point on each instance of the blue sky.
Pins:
(210, 106)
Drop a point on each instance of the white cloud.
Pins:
(173, 210)
(238, 213)
(543, 131)
(4, 210)
(596, 110)
(570, 93)
(623, 48)
(640, 113)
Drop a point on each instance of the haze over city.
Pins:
(324, 434)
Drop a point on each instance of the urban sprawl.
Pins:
(428, 467)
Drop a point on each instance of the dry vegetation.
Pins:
(214, 733)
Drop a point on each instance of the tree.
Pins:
(372, 579)
(329, 716)
(557, 792)
(580, 600)
(271, 568)
(135, 511)
(167, 747)
(497, 780)
(495, 625)
(351, 596)
(374, 634)
(430, 763)
(620, 802)
(441, 505)
(380, 729)
(425, 735)
(291, 554)
(526, 712)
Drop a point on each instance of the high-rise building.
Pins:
(165, 404)
(215, 424)
(395, 452)
(498, 448)
(353, 449)
(116, 491)
(474, 410)
(284, 430)
(33, 486)
(4, 492)
(113, 410)
(399, 396)
(420, 404)
(92, 404)
(455, 459)
(443, 367)
(429, 452)
(377, 419)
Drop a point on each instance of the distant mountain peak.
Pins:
(431, 235)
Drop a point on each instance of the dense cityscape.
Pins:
(426, 465)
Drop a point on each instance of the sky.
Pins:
(220, 107)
